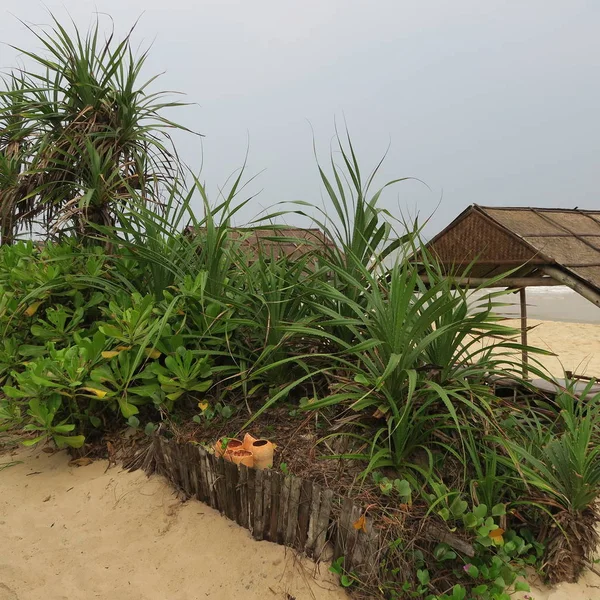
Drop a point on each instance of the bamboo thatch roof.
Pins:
(277, 242)
(563, 244)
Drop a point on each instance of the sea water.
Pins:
(556, 303)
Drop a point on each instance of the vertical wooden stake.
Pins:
(257, 531)
(323, 522)
(315, 504)
(524, 356)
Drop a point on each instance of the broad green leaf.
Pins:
(33, 441)
(127, 409)
(522, 586)
(472, 571)
(13, 392)
(75, 441)
(133, 422)
(66, 428)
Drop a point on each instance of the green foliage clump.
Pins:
(73, 354)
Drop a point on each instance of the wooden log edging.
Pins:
(286, 510)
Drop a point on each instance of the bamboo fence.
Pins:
(284, 509)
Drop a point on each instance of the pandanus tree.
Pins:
(81, 134)
(13, 139)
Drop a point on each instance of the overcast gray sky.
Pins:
(487, 102)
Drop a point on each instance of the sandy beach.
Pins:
(87, 532)
(587, 588)
(564, 323)
(576, 346)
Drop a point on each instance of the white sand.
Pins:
(577, 346)
(80, 532)
(84, 532)
(587, 588)
(566, 324)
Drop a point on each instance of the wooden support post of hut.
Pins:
(524, 354)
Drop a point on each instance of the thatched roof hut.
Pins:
(548, 246)
(541, 246)
(276, 242)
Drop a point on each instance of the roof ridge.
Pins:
(540, 209)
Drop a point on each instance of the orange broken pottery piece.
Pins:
(242, 457)
(223, 449)
(262, 451)
(248, 441)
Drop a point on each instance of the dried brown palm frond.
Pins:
(571, 543)
(14, 134)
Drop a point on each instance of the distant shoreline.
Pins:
(558, 303)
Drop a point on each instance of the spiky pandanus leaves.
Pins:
(361, 229)
(90, 133)
(574, 460)
(560, 465)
